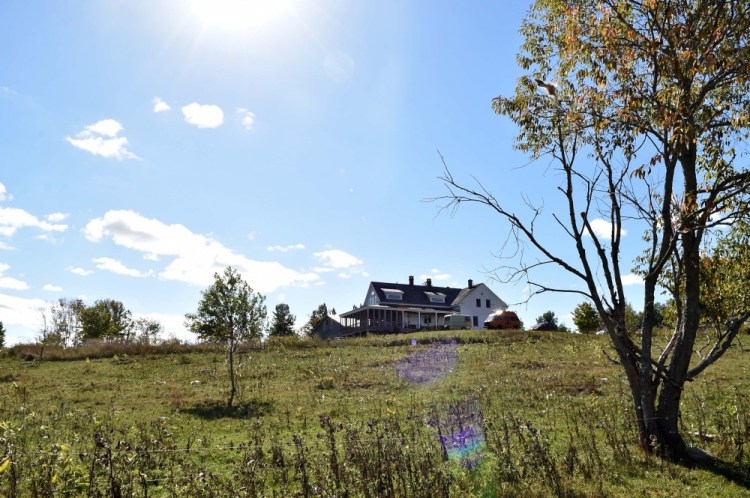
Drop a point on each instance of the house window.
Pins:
(479, 303)
(476, 321)
(436, 297)
(393, 294)
(487, 302)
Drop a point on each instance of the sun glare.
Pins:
(247, 16)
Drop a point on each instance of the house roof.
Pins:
(415, 295)
(468, 290)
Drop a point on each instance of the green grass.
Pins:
(551, 416)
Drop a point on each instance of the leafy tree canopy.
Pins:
(547, 317)
(229, 312)
(585, 318)
(644, 106)
(106, 319)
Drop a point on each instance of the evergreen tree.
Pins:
(282, 323)
(320, 313)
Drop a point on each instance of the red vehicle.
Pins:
(503, 320)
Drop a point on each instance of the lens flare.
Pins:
(460, 430)
(430, 364)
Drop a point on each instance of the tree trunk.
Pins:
(658, 431)
(233, 388)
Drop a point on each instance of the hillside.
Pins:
(456, 414)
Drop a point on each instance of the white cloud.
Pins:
(117, 267)
(76, 270)
(3, 194)
(288, 248)
(11, 219)
(21, 312)
(436, 275)
(5, 246)
(160, 105)
(174, 325)
(52, 288)
(203, 116)
(101, 139)
(252, 235)
(338, 260)
(13, 283)
(194, 258)
(247, 118)
(106, 127)
(631, 279)
(603, 229)
(56, 217)
(10, 283)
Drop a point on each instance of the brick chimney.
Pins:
(411, 280)
(429, 282)
(471, 284)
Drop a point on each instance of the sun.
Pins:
(239, 16)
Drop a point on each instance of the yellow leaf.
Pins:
(4, 465)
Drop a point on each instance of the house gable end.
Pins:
(468, 297)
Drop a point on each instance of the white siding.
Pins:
(371, 299)
(483, 294)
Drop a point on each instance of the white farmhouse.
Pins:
(393, 307)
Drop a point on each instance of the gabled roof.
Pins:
(463, 294)
(415, 295)
(468, 290)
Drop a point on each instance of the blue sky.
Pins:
(148, 144)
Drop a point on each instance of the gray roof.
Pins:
(416, 295)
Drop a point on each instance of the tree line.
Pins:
(71, 323)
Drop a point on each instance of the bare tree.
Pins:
(650, 104)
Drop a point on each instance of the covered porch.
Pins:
(389, 320)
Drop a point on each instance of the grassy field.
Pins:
(454, 414)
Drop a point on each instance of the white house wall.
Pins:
(371, 299)
(479, 314)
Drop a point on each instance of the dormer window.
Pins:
(436, 297)
(394, 294)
